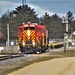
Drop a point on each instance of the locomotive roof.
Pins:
(32, 25)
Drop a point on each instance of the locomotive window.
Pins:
(20, 29)
(25, 28)
(31, 28)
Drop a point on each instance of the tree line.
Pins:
(24, 13)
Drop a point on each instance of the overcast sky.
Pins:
(61, 7)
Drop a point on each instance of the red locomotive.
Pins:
(32, 38)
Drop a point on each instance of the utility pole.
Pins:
(7, 35)
(23, 2)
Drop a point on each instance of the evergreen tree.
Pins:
(16, 17)
(25, 14)
(4, 21)
(54, 25)
(47, 21)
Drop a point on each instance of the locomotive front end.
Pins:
(28, 42)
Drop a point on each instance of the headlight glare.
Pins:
(23, 43)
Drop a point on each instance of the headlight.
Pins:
(23, 43)
(18, 47)
(33, 43)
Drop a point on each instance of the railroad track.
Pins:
(5, 57)
(15, 55)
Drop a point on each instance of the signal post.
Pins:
(65, 20)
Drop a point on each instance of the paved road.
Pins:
(58, 66)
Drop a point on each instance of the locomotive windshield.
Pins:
(31, 28)
(26, 28)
